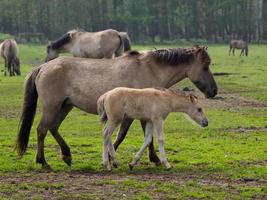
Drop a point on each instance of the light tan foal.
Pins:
(152, 105)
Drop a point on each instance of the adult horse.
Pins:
(103, 44)
(238, 44)
(9, 51)
(64, 83)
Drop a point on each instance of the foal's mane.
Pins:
(176, 56)
(64, 39)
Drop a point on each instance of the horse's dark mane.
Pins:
(61, 41)
(173, 56)
(133, 53)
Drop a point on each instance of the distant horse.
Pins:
(103, 44)
(152, 105)
(68, 82)
(238, 44)
(9, 51)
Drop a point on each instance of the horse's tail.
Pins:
(28, 112)
(10, 55)
(120, 48)
(101, 110)
(126, 41)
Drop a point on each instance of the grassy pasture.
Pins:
(227, 160)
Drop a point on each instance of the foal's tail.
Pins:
(101, 110)
(28, 112)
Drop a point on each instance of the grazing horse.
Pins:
(238, 44)
(152, 105)
(64, 83)
(103, 44)
(9, 51)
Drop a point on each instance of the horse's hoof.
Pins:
(67, 159)
(46, 167)
(155, 159)
(115, 164)
(130, 166)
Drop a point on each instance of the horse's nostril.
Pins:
(205, 122)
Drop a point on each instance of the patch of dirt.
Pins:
(247, 130)
(77, 185)
(222, 74)
(230, 101)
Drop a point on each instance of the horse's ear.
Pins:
(192, 98)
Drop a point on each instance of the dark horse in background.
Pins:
(9, 51)
(102, 44)
(68, 82)
(238, 44)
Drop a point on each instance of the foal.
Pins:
(152, 105)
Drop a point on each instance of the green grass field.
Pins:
(227, 160)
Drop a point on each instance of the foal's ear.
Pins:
(192, 98)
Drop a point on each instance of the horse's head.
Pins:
(51, 53)
(195, 111)
(199, 72)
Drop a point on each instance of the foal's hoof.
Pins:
(167, 166)
(67, 159)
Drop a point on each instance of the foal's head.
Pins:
(195, 111)
(199, 72)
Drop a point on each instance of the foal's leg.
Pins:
(233, 51)
(158, 128)
(148, 138)
(109, 129)
(152, 154)
(65, 150)
(230, 51)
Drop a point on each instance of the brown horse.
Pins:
(152, 105)
(9, 51)
(64, 83)
(238, 44)
(103, 44)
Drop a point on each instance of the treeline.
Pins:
(145, 20)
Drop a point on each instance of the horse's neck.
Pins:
(168, 75)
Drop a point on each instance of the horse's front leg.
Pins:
(158, 129)
(152, 154)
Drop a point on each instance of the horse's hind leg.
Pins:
(230, 50)
(65, 150)
(5, 66)
(152, 154)
(47, 120)
(125, 125)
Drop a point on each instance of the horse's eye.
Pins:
(199, 110)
